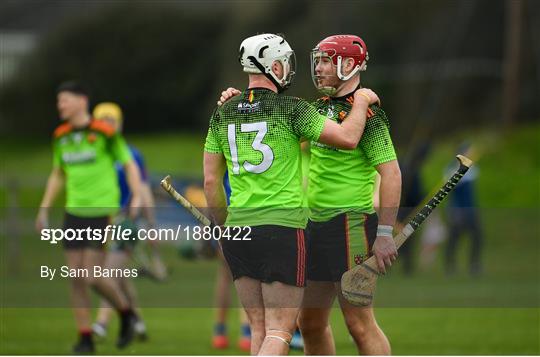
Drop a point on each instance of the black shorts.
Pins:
(274, 253)
(76, 222)
(338, 244)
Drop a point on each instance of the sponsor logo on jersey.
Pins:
(248, 107)
(77, 137)
(323, 146)
(79, 157)
(329, 111)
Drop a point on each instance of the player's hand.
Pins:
(42, 219)
(385, 252)
(134, 207)
(367, 95)
(227, 94)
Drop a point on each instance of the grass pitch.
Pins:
(426, 314)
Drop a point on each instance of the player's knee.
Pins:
(256, 318)
(78, 283)
(311, 325)
(257, 327)
(256, 324)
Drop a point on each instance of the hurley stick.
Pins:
(358, 284)
(166, 184)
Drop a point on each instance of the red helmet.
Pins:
(338, 47)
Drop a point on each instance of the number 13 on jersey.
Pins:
(267, 154)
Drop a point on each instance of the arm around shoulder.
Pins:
(348, 134)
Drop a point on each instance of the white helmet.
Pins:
(258, 53)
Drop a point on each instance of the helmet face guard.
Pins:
(289, 69)
(317, 57)
(259, 53)
(336, 49)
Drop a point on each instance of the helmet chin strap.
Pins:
(257, 64)
(340, 74)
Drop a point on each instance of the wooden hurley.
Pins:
(167, 186)
(358, 284)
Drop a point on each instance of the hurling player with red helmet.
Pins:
(344, 228)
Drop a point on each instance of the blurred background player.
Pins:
(265, 173)
(223, 281)
(120, 252)
(84, 155)
(413, 193)
(463, 217)
(222, 296)
(343, 228)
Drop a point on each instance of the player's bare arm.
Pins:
(214, 169)
(55, 183)
(384, 247)
(134, 183)
(148, 204)
(347, 134)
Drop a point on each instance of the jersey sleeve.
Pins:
(119, 149)
(57, 156)
(211, 144)
(376, 141)
(307, 122)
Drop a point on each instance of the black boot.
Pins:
(85, 345)
(127, 328)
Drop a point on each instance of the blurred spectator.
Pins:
(412, 195)
(121, 252)
(463, 218)
(433, 234)
(222, 297)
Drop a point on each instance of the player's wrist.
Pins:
(366, 99)
(384, 230)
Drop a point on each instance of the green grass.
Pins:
(508, 163)
(497, 313)
(424, 314)
(187, 332)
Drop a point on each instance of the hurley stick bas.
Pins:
(358, 284)
(167, 186)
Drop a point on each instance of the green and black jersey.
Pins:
(259, 134)
(342, 180)
(87, 157)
